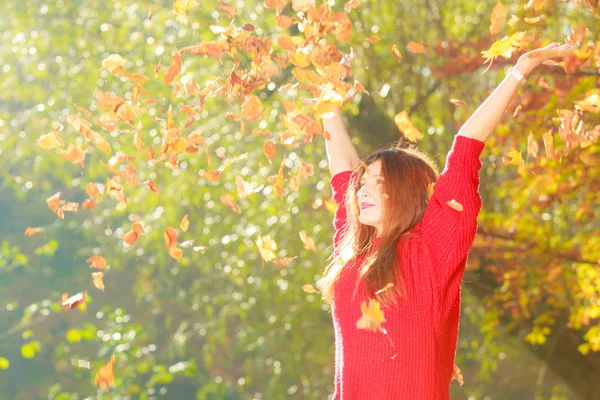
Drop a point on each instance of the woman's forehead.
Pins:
(374, 168)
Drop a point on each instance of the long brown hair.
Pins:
(407, 173)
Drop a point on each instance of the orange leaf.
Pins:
(185, 223)
(138, 228)
(73, 301)
(88, 204)
(373, 40)
(458, 103)
(284, 22)
(91, 189)
(54, 202)
(50, 140)
(130, 237)
(457, 375)
(352, 4)
(396, 53)
(227, 199)
(309, 243)
(105, 376)
(252, 109)
(284, 262)
(174, 69)
(212, 176)
(152, 186)
(498, 14)
(406, 127)
(416, 48)
(286, 43)
(33, 231)
(97, 278)
(269, 150)
(170, 237)
(97, 262)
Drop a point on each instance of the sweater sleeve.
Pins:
(339, 185)
(449, 232)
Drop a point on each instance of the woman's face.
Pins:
(371, 197)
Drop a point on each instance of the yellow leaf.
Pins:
(504, 47)
(113, 61)
(181, 7)
(309, 288)
(267, 248)
(515, 158)
(50, 140)
(532, 146)
(372, 316)
(185, 223)
(406, 127)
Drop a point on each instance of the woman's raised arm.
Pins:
(484, 120)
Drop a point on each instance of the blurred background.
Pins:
(221, 322)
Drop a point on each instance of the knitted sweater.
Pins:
(423, 326)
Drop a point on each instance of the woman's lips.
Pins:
(364, 206)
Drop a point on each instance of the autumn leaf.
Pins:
(171, 241)
(105, 376)
(396, 53)
(185, 223)
(406, 127)
(228, 200)
(536, 4)
(309, 243)
(174, 69)
(373, 39)
(498, 13)
(455, 205)
(74, 154)
(54, 202)
(504, 47)
(51, 140)
(252, 109)
(212, 176)
(372, 316)
(92, 190)
(33, 231)
(284, 22)
(430, 189)
(181, 7)
(457, 375)
(515, 158)
(517, 110)
(267, 248)
(352, 4)
(283, 262)
(73, 301)
(130, 237)
(416, 48)
(113, 61)
(532, 146)
(458, 103)
(269, 150)
(97, 262)
(309, 288)
(97, 278)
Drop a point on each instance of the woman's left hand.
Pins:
(530, 60)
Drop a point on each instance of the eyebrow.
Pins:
(362, 178)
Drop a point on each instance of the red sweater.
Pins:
(423, 326)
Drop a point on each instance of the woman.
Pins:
(404, 243)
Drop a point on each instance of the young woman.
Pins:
(404, 242)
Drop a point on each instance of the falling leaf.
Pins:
(73, 301)
(200, 248)
(283, 262)
(150, 15)
(430, 189)
(212, 176)
(171, 241)
(516, 112)
(97, 278)
(54, 202)
(97, 262)
(113, 61)
(130, 237)
(533, 20)
(515, 158)
(181, 7)
(284, 22)
(352, 4)
(373, 40)
(498, 13)
(228, 9)
(105, 377)
(34, 231)
(252, 109)
(309, 288)
(532, 146)
(266, 247)
(455, 205)
(536, 4)
(504, 47)
(458, 103)
(92, 190)
(513, 20)
(591, 103)
(185, 223)
(302, 5)
(309, 243)
(416, 48)
(457, 375)
(372, 316)
(242, 187)
(174, 69)
(396, 53)
(406, 127)
(386, 287)
(50, 140)
(227, 199)
(269, 150)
